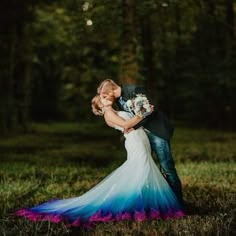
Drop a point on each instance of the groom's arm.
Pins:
(144, 121)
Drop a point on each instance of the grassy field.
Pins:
(60, 160)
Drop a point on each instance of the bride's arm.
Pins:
(112, 117)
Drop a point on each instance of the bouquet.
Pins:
(139, 105)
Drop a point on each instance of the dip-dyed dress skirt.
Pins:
(135, 191)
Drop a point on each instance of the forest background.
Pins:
(55, 53)
(53, 56)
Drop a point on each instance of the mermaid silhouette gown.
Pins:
(134, 191)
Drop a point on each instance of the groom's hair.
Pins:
(106, 87)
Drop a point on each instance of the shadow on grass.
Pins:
(208, 201)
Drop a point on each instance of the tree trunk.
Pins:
(148, 63)
(230, 19)
(11, 82)
(15, 65)
(128, 59)
(23, 84)
(8, 49)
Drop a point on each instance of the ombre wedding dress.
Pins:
(134, 191)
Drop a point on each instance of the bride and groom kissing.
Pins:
(137, 190)
(157, 127)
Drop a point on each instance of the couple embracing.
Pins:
(137, 190)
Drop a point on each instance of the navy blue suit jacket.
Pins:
(157, 122)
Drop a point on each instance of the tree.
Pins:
(128, 55)
(230, 19)
(15, 65)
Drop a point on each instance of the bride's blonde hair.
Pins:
(106, 87)
(97, 105)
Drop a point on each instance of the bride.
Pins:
(134, 191)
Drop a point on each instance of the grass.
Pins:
(61, 160)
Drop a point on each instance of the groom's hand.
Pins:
(147, 113)
(152, 108)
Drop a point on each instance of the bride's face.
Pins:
(108, 95)
(106, 102)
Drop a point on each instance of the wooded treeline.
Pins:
(55, 53)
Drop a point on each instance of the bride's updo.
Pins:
(97, 106)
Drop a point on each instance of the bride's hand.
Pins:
(126, 131)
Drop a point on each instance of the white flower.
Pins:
(129, 103)
(138, 99)
(139, 105)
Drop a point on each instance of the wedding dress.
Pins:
(134, 191)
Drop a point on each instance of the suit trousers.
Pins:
(161, 148)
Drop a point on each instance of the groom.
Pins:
(157, 126)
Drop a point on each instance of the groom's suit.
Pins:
(157, 122)
(159, 131)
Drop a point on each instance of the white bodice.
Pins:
(125, 115)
